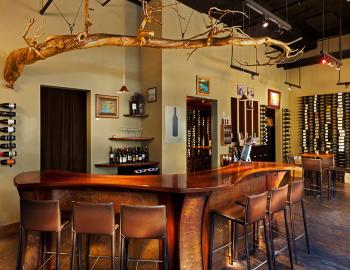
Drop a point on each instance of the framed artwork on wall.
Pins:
(175, 124)
(152, 94)
(202, 86)
(274, 99)
(107, 106)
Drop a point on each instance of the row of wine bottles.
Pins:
(128, 155)
(9, 129)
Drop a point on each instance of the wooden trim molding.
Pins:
(8, 229)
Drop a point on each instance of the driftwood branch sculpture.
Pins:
(217, 35)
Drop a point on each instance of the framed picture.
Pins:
(240, 90)
(152, 94)
(202, 86)
(274, 99)
(250, 92)
(107, 106)
(175, 124)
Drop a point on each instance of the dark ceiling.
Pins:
(305, 17)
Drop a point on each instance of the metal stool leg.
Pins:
(165, 254)
(80, 250)
(288, 240)
(21, 243)
(74, 239)
(247, 246)
(232, 241)
(58, 250)
(271, 242)
(126, 250)
(235, 240)
(113, 251)
(121, 252)
(305, 227)
(267, 245)
(43, 248)
(88, 252)
(254, 237)
(293, 233)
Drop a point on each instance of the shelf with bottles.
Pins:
(226, 134)
(131, 138)
(136, 115)
(6, 148)
(142, 164)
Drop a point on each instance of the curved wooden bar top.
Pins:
(189, 200)
(176, 183)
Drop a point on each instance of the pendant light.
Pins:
(123, 89)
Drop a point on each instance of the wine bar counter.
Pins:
(188, 199)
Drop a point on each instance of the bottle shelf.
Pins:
(136, 115)
(141, 164)
(131, 139)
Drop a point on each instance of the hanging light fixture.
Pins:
(123, 89)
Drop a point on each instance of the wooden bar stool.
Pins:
(278, 203)
(44, 217)
(312, 165)
(92, 218)
(142, 222)
(296, 195)
(254, 211)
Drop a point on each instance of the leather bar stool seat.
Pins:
(250, 212)
(142, 222)
(296, 196)
(92, 219)
(278, 203)
(310, 166)
(44, 217)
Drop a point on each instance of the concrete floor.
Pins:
(329, 226)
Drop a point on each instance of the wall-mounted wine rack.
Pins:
(324, 125)
(285, 134)
(263, 127)
(7, 137)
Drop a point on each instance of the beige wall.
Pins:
(179, 77)
(315, 80)
(99, 70)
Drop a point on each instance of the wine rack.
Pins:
(324, 126)
(198, 140)
(285, 134)
(226, 134)
(263, 127)
(7, 137)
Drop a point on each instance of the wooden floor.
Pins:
(329, 226)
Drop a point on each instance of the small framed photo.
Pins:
(274, 99)
(107, 106)
(202, 86)
(240, 90)
(152, 94)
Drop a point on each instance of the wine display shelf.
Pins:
(285, 134)
(324, 123)
(226, 133)
(263, 127)
(198, 138)
(8, 113)
(141, 164)
(136, 115)
(131, 139)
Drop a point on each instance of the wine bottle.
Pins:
(8, 129)
(8, 162)
(146, 155)
(7, 137)
(8, 105)
(111, 156)
(8, 154)
(8, 121)
(7, 145)
(175, 124)
(7, 114)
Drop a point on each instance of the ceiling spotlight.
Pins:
(338, 67)
(265, 23)
(329, 63)
(324, 61)
(289, 88)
